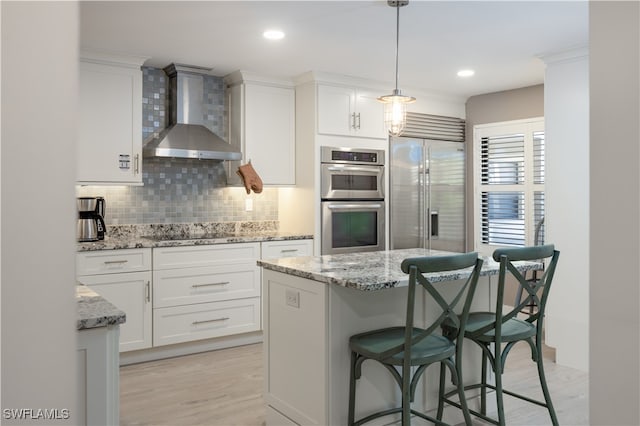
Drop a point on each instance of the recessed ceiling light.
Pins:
(273, 35)
(466, 73)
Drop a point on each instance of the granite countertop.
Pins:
(95, 311)
(174, 235)
(116, 243)
(370, 271)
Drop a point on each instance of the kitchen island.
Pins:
(98, 325)
(312, 305)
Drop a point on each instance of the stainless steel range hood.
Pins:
(186, 136)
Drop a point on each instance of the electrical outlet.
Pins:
(248, 204)
(293, 298)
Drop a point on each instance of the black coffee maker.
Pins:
(91, 226)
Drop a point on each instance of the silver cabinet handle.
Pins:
(358, 126)
(353, 120)
(147, 291)
(211, 320)
(209, 285)
(289, 251)
(115, 262)
(136, 166)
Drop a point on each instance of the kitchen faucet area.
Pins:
(283, 213)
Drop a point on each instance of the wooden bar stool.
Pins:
(403, 347)
(490, 330)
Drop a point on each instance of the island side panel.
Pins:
(351, 312)
(295, 348)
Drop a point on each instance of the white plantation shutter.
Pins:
(509, 166)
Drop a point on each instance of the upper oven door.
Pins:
(351, 182)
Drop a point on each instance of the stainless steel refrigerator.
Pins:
(426, 197)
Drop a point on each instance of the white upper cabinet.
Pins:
(348, 111)
(109, 146)
(262, 126)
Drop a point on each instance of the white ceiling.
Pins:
(500, 40)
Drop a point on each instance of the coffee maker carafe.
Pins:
(91, 226)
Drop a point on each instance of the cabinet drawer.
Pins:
(173, 287)
(193, 256)
(292, 248)
(205, 320)
(113, 261)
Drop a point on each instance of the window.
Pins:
(509, 167)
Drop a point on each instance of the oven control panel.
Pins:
(351, 155)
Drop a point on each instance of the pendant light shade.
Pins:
(395, 104)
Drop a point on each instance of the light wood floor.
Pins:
(224, 388)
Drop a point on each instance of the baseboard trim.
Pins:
(170, 351)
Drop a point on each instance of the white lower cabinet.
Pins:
(192, 293)
(108, 273)
(201, 292)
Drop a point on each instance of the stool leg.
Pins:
(352, 389)
(497, 369)
(406, 394)
(543, 384)
(441, 391)
(483, 388)
(461, 394)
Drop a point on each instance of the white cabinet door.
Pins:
(270, 133)
(109, 144)
(131, 293)
(347, 111)
(370, 119)
(336, 110)
(262, 126)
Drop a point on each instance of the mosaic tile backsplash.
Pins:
(181, 190)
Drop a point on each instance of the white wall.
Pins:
(39, 91)
(614, 84)
(566, 110)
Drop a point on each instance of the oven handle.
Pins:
(354, 206)
(374, 169)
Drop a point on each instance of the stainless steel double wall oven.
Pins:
(352, 200)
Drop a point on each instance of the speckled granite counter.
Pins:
(174, 235)
(370, 271)
(95, 311)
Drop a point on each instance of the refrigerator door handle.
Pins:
(434, 224)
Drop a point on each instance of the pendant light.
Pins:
(395, 104)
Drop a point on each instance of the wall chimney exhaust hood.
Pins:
(186, 136)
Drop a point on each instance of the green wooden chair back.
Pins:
(418, 266)
(537, 290)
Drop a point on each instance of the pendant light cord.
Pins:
(397, 40)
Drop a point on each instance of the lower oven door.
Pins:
(352, 226)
